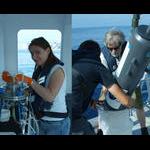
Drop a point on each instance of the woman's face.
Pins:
(39, 55)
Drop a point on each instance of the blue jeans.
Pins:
(55, 127)
(97, 92)
(90, 112)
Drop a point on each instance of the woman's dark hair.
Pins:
(52, 59)
(41, 42)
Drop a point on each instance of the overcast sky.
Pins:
(97, 20)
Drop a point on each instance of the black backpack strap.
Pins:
(54, 114)
(68, 98)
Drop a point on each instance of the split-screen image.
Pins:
(74, 74)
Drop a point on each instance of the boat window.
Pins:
(25, 62)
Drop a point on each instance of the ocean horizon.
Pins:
(94, 33)
(26, 64)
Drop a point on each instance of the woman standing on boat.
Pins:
(49, 89)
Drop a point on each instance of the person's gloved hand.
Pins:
(26, 79)
(7, 77)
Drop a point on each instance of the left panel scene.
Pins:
(35, 74)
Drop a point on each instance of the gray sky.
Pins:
(97, 20)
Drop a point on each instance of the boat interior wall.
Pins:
(2, 64)
(10, 24)
(35, 21)
(66, 47)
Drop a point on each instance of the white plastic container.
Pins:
(5, 115)
(115, 122)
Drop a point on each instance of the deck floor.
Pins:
(136, 125)
(120, 123)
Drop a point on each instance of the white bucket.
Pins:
(115, 122)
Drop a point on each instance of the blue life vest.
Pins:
(111, 61)
(39, 104)
(112, 64)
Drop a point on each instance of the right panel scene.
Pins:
(110, 74)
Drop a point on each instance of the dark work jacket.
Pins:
(86, 74)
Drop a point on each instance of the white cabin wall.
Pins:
(66, 51)
(10, 42)
(35, 21)
(2, 64)
(15, 22)
(12, 23)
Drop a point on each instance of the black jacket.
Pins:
(86, 74)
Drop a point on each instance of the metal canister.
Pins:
(134, 59)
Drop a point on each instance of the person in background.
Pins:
(111, 54)
(49, 88)
(87, 72)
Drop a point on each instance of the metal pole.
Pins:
(135, 20)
